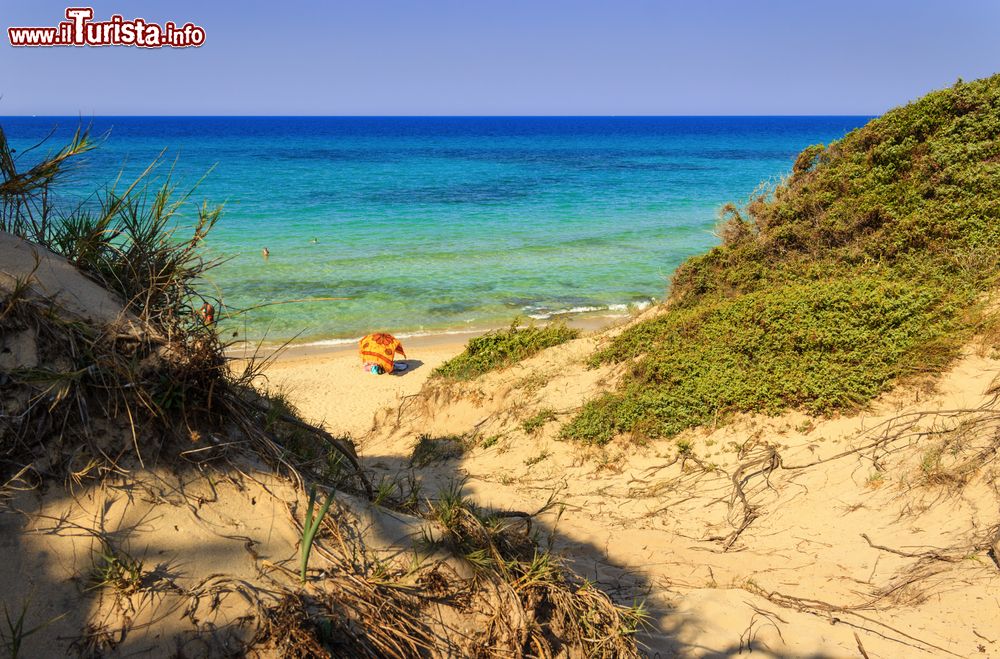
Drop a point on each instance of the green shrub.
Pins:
(863, 266)
(537, 421)
(502, 348)
(819, 347)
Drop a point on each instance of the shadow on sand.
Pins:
(411, 365)
(58, 595)
(626, 585)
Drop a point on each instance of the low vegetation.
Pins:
(502, 348)
(867, 264)
(309, 528)
(116, 570)
(160, 375)
(566, 612)
(429, 450)
(537, 421)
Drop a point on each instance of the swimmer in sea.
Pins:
(207, 313)
(266, 252)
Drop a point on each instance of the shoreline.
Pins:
(440, 340)
(329, 379)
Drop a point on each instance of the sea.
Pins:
(431, 225)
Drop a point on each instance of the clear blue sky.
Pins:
(486, 57)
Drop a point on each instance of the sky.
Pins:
(507, 57)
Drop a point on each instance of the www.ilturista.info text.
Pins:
(81, 30)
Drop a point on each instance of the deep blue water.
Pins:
(431, 224)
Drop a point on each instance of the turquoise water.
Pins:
(433, 224)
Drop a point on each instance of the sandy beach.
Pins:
(329, 385)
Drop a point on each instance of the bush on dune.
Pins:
(125, 241)
(502, 348)
(162, 370)
(863, 266)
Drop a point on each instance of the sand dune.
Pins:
(787, 536)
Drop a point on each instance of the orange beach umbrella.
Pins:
(381, 349)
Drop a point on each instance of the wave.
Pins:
(537, 313)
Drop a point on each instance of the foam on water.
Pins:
(539, 313)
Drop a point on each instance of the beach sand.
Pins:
(328, 384)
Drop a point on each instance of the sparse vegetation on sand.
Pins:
(866, 265)
(537, 421)
(502, 348)
(429, 450)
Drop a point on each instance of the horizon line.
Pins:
(432, 116)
